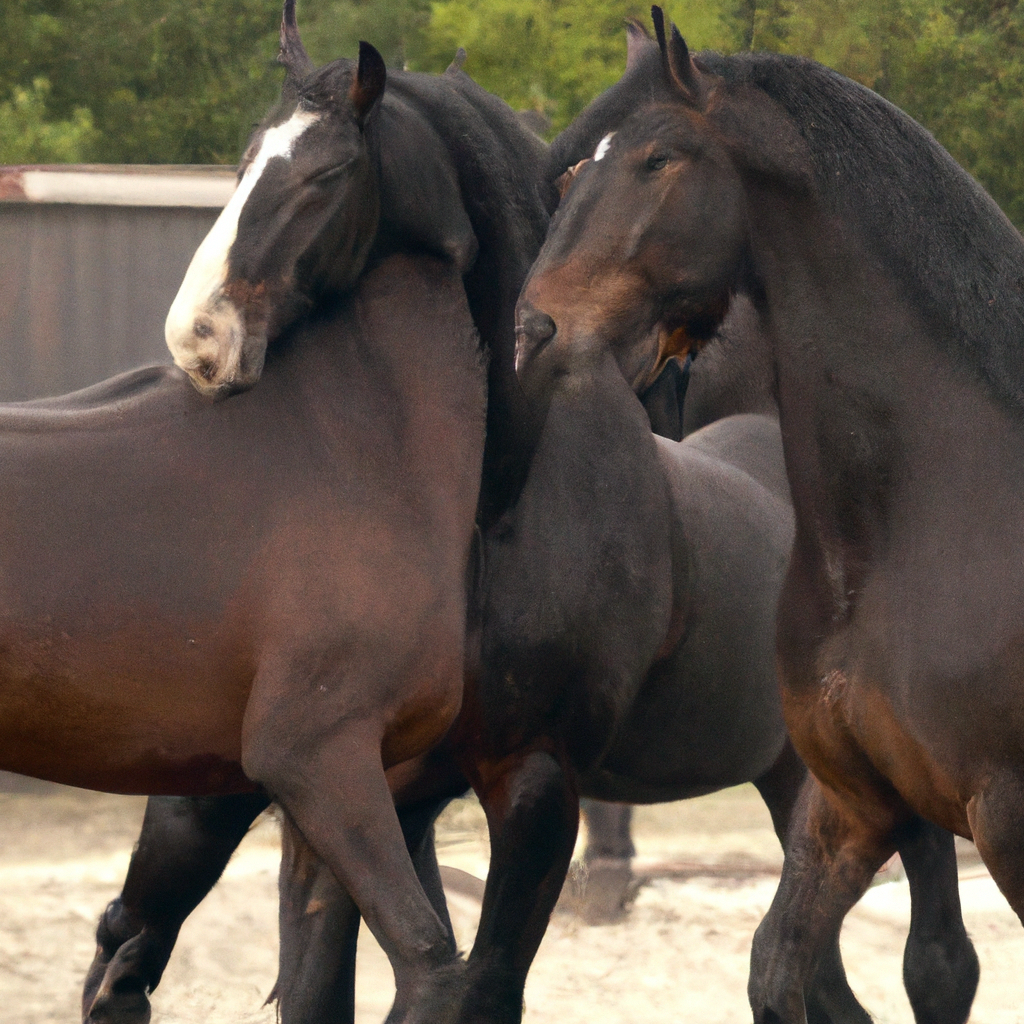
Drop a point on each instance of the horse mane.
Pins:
(474, 159)
(496, 162)
(915, 208)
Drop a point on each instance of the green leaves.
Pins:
(160, 81)
(29, 135)
(182, 81)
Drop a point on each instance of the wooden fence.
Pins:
(90, 259)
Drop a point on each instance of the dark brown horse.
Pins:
(202, 597)
(199, 596)
(892, 292)
(457, 179)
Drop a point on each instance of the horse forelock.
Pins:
(940, 236)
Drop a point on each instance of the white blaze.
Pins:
(207, 273)
(602, 146)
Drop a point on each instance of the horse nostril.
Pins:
(202, 328)
(207, 369)
(537, 326)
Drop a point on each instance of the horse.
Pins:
(286, 251)
(186, 581)
(560, 692)
(206, 597)
(892, 292)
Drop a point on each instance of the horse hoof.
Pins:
(608, 890)
(130, 1006)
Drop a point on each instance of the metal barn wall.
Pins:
(85, 285)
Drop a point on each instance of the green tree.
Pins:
(29, 135)
(182, 81)
(163, 81)
(552, 56)
(333, 29)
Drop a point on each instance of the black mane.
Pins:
(921, 214)
(448, 148)
(498, 164)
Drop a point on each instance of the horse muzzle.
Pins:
(217, 351)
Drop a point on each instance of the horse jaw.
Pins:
(218, 340)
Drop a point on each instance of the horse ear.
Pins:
(637, 42)
(564, 181)
(457, 61)
(678, 63)
(292, 53)
(368, 84)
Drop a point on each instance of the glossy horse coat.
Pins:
(200, 597)
(892, 290)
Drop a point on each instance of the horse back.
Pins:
(749, 442)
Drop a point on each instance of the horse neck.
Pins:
(500, 166)
(398, 355)
(882, 419)
(593, 510)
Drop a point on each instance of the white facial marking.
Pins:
(602, 146)
(197, 298)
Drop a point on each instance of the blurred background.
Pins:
(182, 81)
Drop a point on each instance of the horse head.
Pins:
(649, 239)
(301, 220)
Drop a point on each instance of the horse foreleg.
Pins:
(183, 847)
(940, 967)
(333, 786)
(319, 922)
(832, 855)
(828, 996)
(533, 815)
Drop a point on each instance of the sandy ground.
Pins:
(681, 954)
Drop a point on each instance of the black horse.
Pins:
(892, 292)
(604, 656)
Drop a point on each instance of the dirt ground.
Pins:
(680, 954)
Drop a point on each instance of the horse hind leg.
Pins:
(940, 966)
(183, 847)
(828, 996)
(608, 857)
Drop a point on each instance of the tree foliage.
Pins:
(182, 81)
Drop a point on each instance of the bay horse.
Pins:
(891, 288)
(205, 597)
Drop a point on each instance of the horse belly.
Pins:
(122, 711)
(707, 718)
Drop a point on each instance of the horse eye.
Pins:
(656, 161)
(326, 176)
